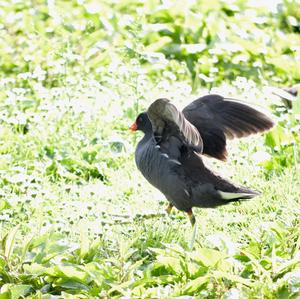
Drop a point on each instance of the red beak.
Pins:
(133, 127)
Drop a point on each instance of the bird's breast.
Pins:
(164, 173)
(151, 162)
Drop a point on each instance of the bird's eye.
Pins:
(140, 120)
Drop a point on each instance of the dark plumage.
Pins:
(288, 95)
(218, 118)
(169, 154)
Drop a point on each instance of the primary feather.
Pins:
(218, 118)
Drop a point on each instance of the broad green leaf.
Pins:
(133, 267)
(84, 243)
(196, 285)
(14, 291)
(68, 284)
(232, 278)
(4, 205)
(2, 263)
(210, 258)
(26, 244)
(18, 291)
(120, 288)
(173, 264)
(35, 269)
(5, 295)
(283, 292)
(66, 295)
(277, 137)
(159, 280)
(71, 272)
(10, 242)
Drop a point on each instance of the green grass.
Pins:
(77, 218)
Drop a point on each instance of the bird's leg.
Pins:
(169, 208)
(194, 226)
(191, 217)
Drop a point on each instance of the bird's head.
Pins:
(142, 123)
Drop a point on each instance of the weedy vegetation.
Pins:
(77, 219)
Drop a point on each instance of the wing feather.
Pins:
(218, 118)
(168, 121)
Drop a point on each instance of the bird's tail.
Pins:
(239, 194)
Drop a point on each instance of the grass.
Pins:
(77, 218)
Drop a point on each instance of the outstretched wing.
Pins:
(218, 118)
(169, 125)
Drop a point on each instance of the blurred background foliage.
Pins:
(54, 44)
(75, 216)
(208, 42)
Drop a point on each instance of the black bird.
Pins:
(288, 95)
(169, 154)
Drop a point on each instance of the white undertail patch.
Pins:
(231, 195)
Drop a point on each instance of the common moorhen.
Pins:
(288, 95)
(169, 154)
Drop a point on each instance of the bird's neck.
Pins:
(148, 135)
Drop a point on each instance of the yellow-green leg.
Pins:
(169, 208)
(194, 226)
(191, 217)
